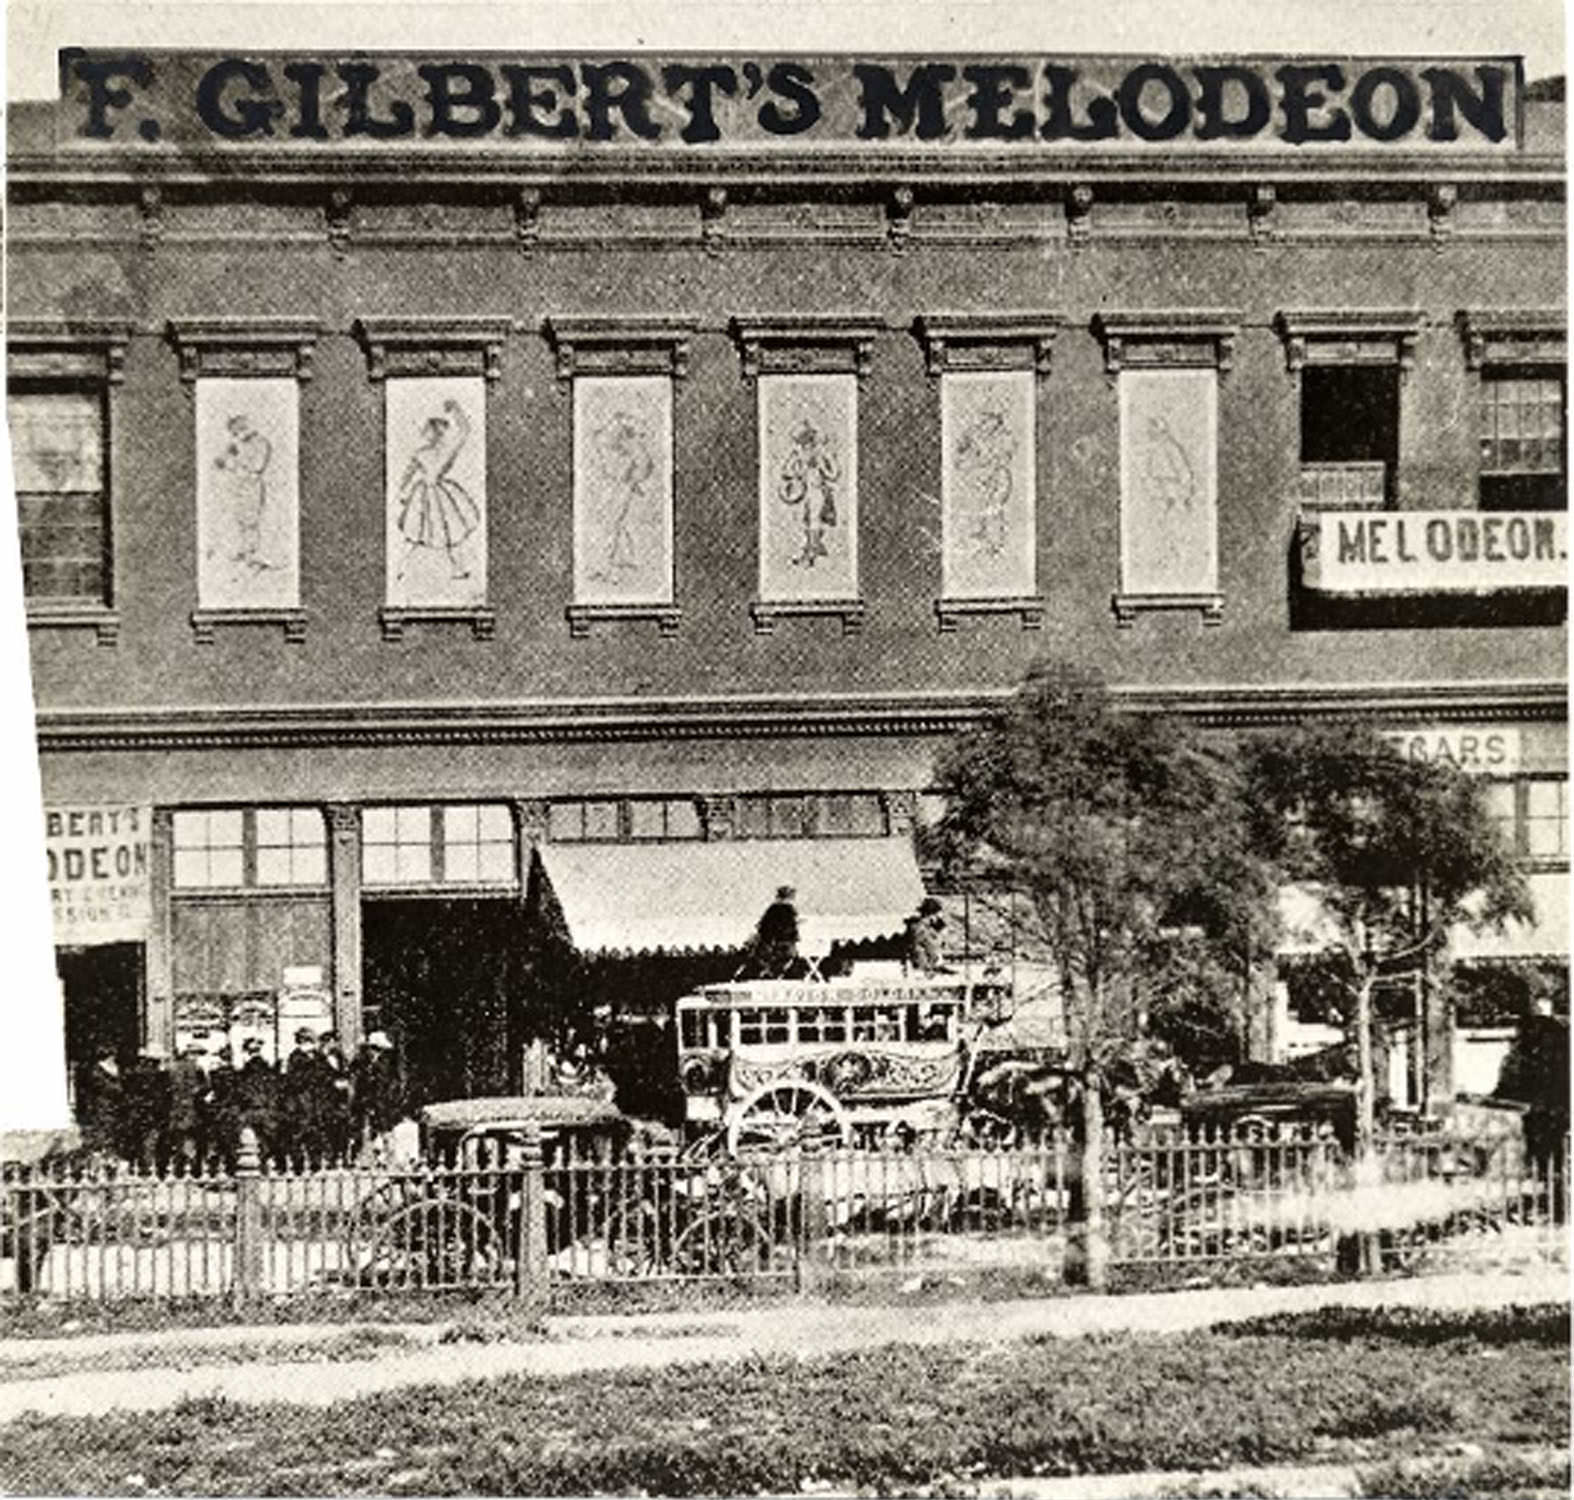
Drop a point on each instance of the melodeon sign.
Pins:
(554, 104)
(1434, 552)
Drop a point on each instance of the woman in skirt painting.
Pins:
(435, 510)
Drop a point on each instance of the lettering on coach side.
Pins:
(1123, 103)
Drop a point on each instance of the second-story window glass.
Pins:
(1522, 416)
(1349, 435)
(396, 845)
(1546, 819)
(664, 818)
(57, 446)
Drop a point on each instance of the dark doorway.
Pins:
(444, 979)
(103, 999)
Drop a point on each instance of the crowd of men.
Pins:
(186, 1114)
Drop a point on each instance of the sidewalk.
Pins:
(573, 1344)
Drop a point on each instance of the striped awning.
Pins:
(686, 896)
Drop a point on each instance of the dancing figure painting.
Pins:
(436, 502)
(623, 489)
(1168, 501)
(987, 541)
(808, 487)
(247, 494)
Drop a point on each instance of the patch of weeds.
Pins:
(1505, 1476)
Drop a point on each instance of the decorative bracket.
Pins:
(337, 215)
(987, 341)
(150, 215)
(433, 346)
(1079, 215)
(244, 347)
(899, 219)
(1349, 336)
(630, 345)
(527, 218)
(713, 215)
(806, 343)
(1261, 215)
(1178, 338)
(1440, 201)
(1516, 335)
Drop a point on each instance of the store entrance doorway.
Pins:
(102, 986)
(443, 978)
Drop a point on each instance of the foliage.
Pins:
(1398, 851)
(887, 1418)
(1128, 835)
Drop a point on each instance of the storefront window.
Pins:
(396, 845)
(1546, 819)
(583, 822)
(852, 815)
(209, 848)
(478, 843)
(664, 818)
(291, 846)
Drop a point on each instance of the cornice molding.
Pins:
(804, 343)
(1167, 338)
(955, 341)
(629, 344)
(898, 714)
(433, 345)
(92, 347)
(1513, 335)
(241, 346)
(1349, 335)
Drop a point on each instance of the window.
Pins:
(1521, 435)
(478, 844)
(58, 453)
(1502, 798)
(291, 846)
(1546, 819)
(209, 848)
(582, 822)
(232, 847)
(765, 817)
(850, 815)
(1349, 434)
(822, 1023)
(664, 818)
(459, 844)
(396, 845)
(757, 1026)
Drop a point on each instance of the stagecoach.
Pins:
(811, 1065)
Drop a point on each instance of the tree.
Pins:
(1128, 835)
(1397, 853)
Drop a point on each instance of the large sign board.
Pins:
(556, 104)
(1434, 551)
(98, 873)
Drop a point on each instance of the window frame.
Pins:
(437, 844)
(88, 352)
(249, 848)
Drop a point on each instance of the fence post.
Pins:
(247, 1279)
(813, 1250)
(532, 1272)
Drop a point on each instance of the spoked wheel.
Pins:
(728, 1240)
(438, 1243)
(790, 1115)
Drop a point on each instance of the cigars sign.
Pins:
(554, 104)
(1370, 553)
(98, 873)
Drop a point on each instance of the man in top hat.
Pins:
(776, 937)
(337, 1103)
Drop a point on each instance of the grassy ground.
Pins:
(1338, 1385)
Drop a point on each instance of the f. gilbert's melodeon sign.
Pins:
(777, 1064)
